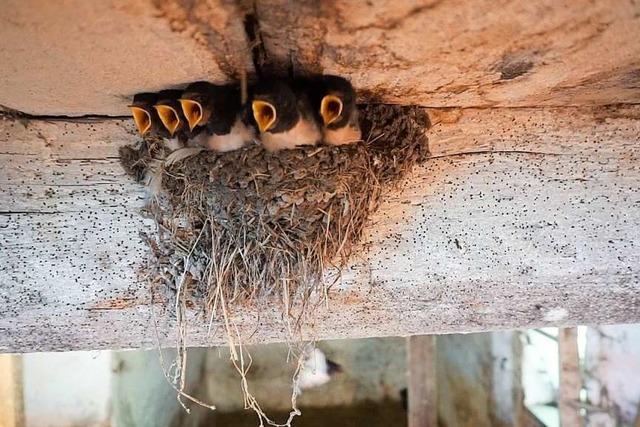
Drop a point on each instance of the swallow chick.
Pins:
(218, 111)
(145, 116)
(171, 115)
(197, 102)
(284, 116)
(339, 111)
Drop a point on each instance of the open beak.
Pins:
(193, 111)
(169, 117)
(142, 119)
(265, 114)
(330, 109)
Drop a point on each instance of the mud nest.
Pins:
(247, 225)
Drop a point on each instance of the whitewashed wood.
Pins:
(525, 217)
(69, 234)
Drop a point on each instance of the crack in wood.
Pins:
(9, 213)
(7, 112)
(89, 184)
(259, 54)
(72, 159)
(391, 24)
(471, 153)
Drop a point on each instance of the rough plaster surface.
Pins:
(448, 53)
(612, 369)
(521, 214)
(141, 395)
(89, 57)
(67, 389)
(479, 380)
(78, 57)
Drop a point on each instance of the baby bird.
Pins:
(171, 116)
(197, 103)
(284, 116)
(217, 111)
(145, 116)
(339, 111)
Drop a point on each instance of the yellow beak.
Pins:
(169, 117)
(193, 111)
(265, 114)
(142, 119)
(330, 109)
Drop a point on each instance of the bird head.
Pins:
(143, 113)
(338, 103)
(265, 114)
(142, 119)
(196, 103)
(169, 117)
(274, 107)
(331, 108)
(169, 111)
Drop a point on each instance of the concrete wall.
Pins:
(67, 389)
(612, 376)
(479, 383)
(103, 388)
(479, 380)
(141, 395)
(373, 369)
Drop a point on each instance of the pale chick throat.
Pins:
(305, 132)
(342, 136)
(239, 136)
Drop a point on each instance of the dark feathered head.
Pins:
(274, 106)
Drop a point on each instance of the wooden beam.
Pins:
(421, 379)
(570, 378)
(523, 218)
(11, 398)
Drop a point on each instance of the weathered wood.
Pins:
(11, 398)
(523, 218)
(446, 53)
(421, 381)
(570, 378)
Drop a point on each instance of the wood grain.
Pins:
(570, 378)
(421, 381)
(523, 218)
(11, 394)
